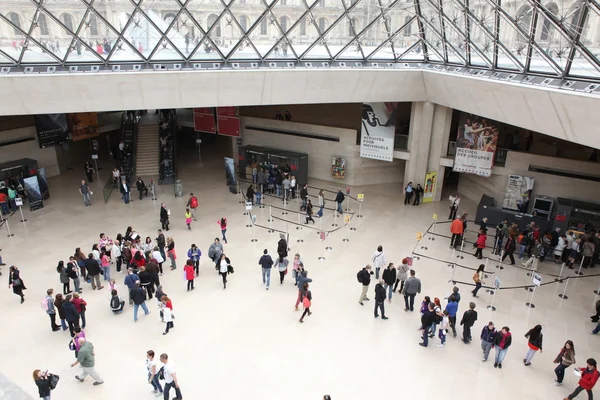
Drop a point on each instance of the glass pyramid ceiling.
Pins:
(553, 37)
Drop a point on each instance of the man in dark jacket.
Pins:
(509, 249)
(266, 262)
(71, 314)
(282, 247)
(141, 187)
(412, 286)
(164, 216)
(467, 321)
(93, 271)
(161, 243)
(364, 277)
(304, 196)
(146, 281)
(427, 319)
(130, 282)
(389, 277)
(380, 299)
(339, 199)
(73, 273)
(138, 296)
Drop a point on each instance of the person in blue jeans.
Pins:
(596, 330)
(171, 380)
(266, 263)
(339, 199)
(153, 373)
(138, 296)
(502, 342)
(427, 319)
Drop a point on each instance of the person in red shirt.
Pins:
(456, 228)
(589, 377)
(4, 203)
(480, 243)
(190, 274)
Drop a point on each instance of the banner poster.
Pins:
(338, 167)
(83, 125)
(43, 182)
(34, 195)
(518, 193)
(52, 129)
(378, 131)
(429, 187)
(228, 121)
(205, 120)
(230, 175)
(475, 145)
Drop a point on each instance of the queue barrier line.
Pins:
(279, 197)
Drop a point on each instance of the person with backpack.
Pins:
(130, 281)
(189, 274)
(194, 254)
(488, 335)
(71, 314)
(138, 296)
(378, 260)
(452, 309)
(64, 277)
(478, 278)
(116, 303)
(48, 306)
(467, 321)
(192, 203)
(58, 303)
(306, 296)
(588, 377)
(389, 277)
(339, 199)
(380, 299)
(364, 278)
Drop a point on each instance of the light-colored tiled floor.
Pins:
(245, 342)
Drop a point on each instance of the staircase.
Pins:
(147, 155)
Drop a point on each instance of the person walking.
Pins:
(250, 194)
(161, 243)
(15, 280)
(302, 279)
(166, 307)
(164, 216)
(378, 260)
(321, 199)
(296, 262)
(214, 252)
(402, 274)
(502, 341)
(389, 277)
(194, 254)
(170, 378)
(153, 378)
(535, 256)
(282, 265)
(58, 303)
(454, 207)
(130, 281)
(427, 319)
(588, 378)
(304, 197)
(309, 212)
(408, 193)
(86, 193)
(535, 339)
(452, 308)
(266, 263)
(50, 309)
(306, 296)
(81, 307)
(480, 244)
(71, 314)
(364, 278)
(457, 230)
(190, 274)
(138, 296)
(478, 279)
(509, 249)
(380, 299)
(564, 359)
(223, 224)
(188, 219)
(86, 358)
(224, 264)
(412, 287)
(339, 199)
(171, 252)
(467, 321)
(488, 336)
(443, 331)
(125, 190)
(45, 383)
(157, 256)
(192, 203)
(93, 270)
(64, 277)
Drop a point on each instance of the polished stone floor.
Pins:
(246, 342)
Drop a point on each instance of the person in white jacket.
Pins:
(321, 198)
(443, 331)
(378, 260)
(115, 254)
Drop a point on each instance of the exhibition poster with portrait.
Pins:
(429, 189)
(475, 145)
(518, 193)
(378, 130)
(338, 167)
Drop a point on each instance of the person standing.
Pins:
(224, 269)
(130, 281)
(153, 378)
(105, 264)
(321, 198)
(171, 252)
(304, 197)
(380, 299)
(339, 199)
(44, 382)
(64, 277)
(80, 306)
(282, 265)
(89, 171)
(296, 263)
(480, 244)
(443, 331)
(138, 296)
(189, 274)
(85, 192)
(266, 263)
(454, 207)
(427, 319)
(250, 194)
(286, 188)
(509, 249)
(478, 279)
(164, 216)
(74, 272)
(166, 313)
(488, 336)
(467, 321)
(564, 359)
(378, 260)
(402, 274)
(309, 212)
(58, 303)
(364, 278)
(408, 193)
(194, 254)
(293, 186)
(214, 252)
(93, 271)
(14, 280)
(535, 256)
(188, 219)
(306, 296)
(223, 224)
(192, 203)
(418, 194)
(125, 190)
(389, 277)
(456, 229)
(50, 310)
(535, 337)
(170, 378)
(412, 287)
(161, 243)
(452, 308)
(71, 314)
(502, 341)
(589, 376)
(87, 359)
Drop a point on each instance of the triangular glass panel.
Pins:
(184, 33)
(13, 39)
(206, 14)
(59, 39)
(99, 37)
(520, 12)
(541, 64)
(36, 52)
(360, 16)
(245, 51)
(264, 35)
(165, 51)
(456, 44)
(4, 60)
(411, 53)
(553, 41)
(286, 13)
(69, 17)
(583, 67)
(318, 52)
(206, 51)
(455, 15)
(303, 33)
(338, 36)
(162, 12)
(81, 53)
(282, 50)
(231, 34)
(120, 15)
(20, 16)
(480, 38)
(507, 62)
(124, 51)
(384, 53)
(513, 39)
(404, 28)
(143, 35)
(433, 53)
(351, 52)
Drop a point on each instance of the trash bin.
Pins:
(178, 188)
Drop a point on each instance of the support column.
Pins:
(419, 140)
(442, 121)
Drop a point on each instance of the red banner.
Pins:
(204, 120)
(228, 121)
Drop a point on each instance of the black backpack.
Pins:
(114, 302)
(359, 276)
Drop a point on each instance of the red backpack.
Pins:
(194, 202)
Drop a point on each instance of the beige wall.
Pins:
(359, 171)
(31, 149)
(473, 186)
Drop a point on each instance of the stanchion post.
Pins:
(299, 226)
(347, 226)
(561, 272)
(597, 291)
(530, 304)
(240, 199)
(8, 229)
(359, 215)
(327, 247)
(335, 218)
(270, 222)
(487, 259)
(351, 223)
(254, 239)
(22, 217)
(322, 257)
(563, 294)
(491, 306)
(580, 266)
(284, 212)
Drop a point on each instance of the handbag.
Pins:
(161, 373)
(53, 381)
(72, 345)
(17, 282)
(306, 301)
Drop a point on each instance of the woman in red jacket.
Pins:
(589, 377)
(80, 306)
(190, 274)
(480, 243)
